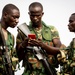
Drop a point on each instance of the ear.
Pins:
(29, 13)
(5, 15)
(42, 13)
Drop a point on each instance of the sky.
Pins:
(56, 13)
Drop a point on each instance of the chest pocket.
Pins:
(46, 34)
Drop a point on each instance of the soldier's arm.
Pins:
(21, 43)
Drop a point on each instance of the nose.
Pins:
(69, 24)
(35, 17)
(17, 20)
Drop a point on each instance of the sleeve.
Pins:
(20, 37)
(54, 32)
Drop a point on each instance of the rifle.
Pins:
(5, 57)
(37, 51)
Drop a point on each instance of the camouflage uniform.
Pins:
(69, 64)
(30, 62)
(11, 52)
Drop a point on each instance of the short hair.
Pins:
(73, 14)
(7, 8)
(35, 4)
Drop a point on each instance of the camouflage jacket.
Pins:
(11, 52)
(69, 65)
(32, 65)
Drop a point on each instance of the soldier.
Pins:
(46, 37)
(10, 18)
(69, 66)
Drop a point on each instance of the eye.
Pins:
(14, 17)
(70, 21)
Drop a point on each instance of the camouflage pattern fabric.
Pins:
(69, 64)
(32, 65)
(11, 52)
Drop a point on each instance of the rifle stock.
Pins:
(5, 57)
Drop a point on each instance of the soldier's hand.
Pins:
(25, 42)
(34, 42)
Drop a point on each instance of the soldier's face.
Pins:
(12, 18)
(36, 15)
(71, 25)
